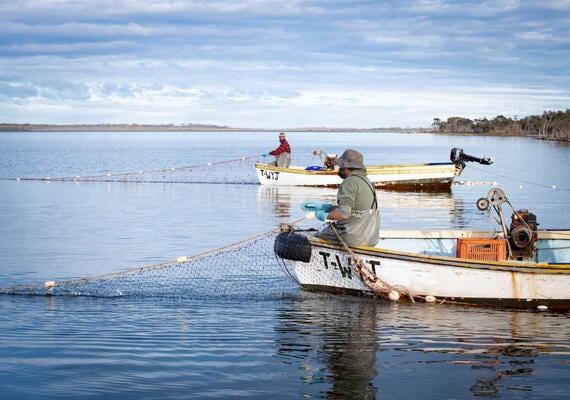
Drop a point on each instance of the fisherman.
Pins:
(356, 217)
(282, 153)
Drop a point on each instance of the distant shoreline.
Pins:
(551, 125)
(184, 128)
(4, 127)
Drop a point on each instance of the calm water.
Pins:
(298, 345)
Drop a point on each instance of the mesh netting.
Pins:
(246, 269)
(240, 170)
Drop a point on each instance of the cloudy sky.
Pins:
(281, 63)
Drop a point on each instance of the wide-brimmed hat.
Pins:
(351, 159)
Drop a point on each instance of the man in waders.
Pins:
(355, 216)
(282, 153)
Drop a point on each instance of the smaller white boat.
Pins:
(436, 175)
(516, 266)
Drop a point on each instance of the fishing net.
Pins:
(239, 170)
(246, 269)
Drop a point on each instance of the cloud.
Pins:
(10, 91)
(290, 63)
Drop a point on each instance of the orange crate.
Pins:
(481, 249)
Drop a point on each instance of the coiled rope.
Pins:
(379, 287)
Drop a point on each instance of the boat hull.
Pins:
(435, 278)
(405, 176)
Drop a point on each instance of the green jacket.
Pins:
(357, 197)
(355, 193)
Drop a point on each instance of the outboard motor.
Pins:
(522, 235)
(459, 158)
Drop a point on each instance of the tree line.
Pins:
(551, 125)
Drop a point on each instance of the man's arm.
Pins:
(283, 148)
(338, 214)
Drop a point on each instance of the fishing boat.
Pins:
(516, 266)
(435, 175)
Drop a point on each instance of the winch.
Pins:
(522, 234)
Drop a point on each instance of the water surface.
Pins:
(291, 344)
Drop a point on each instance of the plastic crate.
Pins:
(481, 249)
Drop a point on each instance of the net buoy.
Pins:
(394, 295)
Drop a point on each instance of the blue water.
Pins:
(294, 345)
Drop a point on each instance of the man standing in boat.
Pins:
(282, 153)
(356, 217)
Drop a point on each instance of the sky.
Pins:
(281, 63)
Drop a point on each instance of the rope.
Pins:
(182, 259)
(217, 271)
(552, 187)
(383, 289)
(126, 174)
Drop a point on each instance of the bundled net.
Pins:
(246, 269)
(239, 170)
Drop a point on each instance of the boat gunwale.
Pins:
(543, 234)
(511, 266)
(370, 169)
(296, 170)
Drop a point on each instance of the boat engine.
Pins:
(458, 157)
(522, 235)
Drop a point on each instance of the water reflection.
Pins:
(360, 348)
(398, 209)
(504, 351)
(489, 369)
(334, 341)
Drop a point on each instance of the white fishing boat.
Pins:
(516, 266)
(435, 175)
